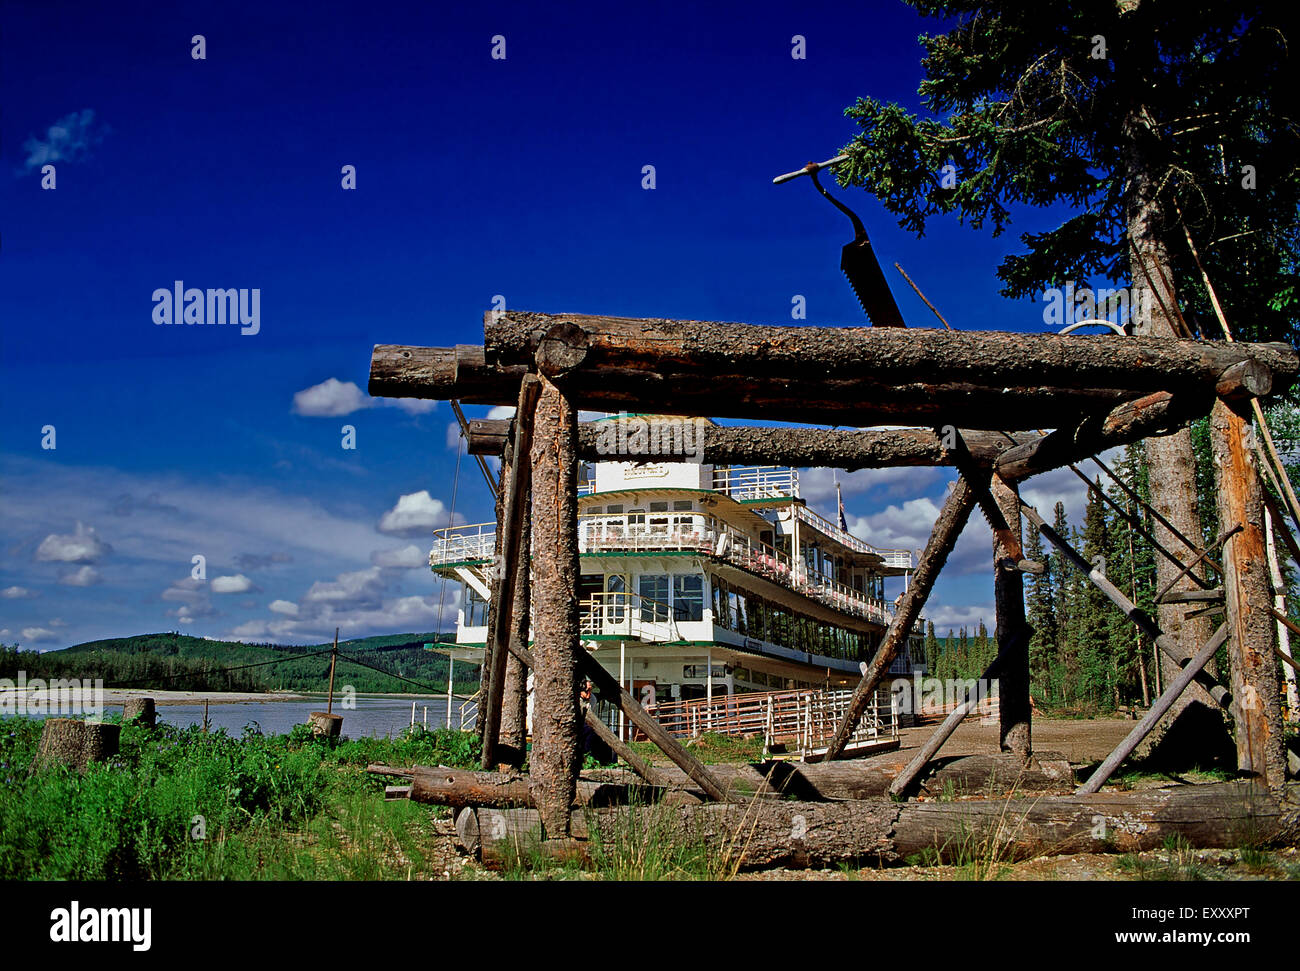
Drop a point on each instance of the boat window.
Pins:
(688, 596)
(475, 608)
(658, 507)
(653, 587)
(618, 508)
(683, 504)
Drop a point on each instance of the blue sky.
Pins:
(475, 177)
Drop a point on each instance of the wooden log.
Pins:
(994, 357)
(952, 519)
(802, 834)
(1167, 645)
(609, 688)
(638, 765)
(442, 373)
(75, 743)
(1152, 718)
(556, 757)
(999, 774)
(139, 710)
(509, 570)
(458, 788)
(942, 734)
(856, 401)
(325, 725)
(1192, 596)
(1026, 366)
(392, 793)
(1152, 415)
(1012, 631)
(1256, 709)
(841, 448)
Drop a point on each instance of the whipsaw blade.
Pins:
(863, 270)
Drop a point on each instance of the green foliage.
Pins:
(1147, 132)
(271, 806)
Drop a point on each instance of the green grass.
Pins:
(182, 804)
(1177, 861)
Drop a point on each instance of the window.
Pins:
(653, 589)
(612, 510)
(683, 505)
(616, 602)
(476, 608)
(688, 596)
(658, 507)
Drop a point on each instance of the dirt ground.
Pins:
(1083, 742)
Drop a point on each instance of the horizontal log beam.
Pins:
(1160, 413)
(861, 371)
(839, 448)
(813, 834)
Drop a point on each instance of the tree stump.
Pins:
(326, 725)
(139, 710)
(67, 741)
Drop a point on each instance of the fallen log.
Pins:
(458, 788)
(801, 834)
(972, 775)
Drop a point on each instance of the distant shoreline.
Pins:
(161, 697)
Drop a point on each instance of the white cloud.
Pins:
(503, 411)
(38, 634)
(956, 617)
(86, 576)
(360, 589)
(406, 558)
(82, 546)
(333, 397)
(67, 140)
(286, 607)
(453, 436)
(417, 512)
(236, 584)
(330, 398)
(18, 593)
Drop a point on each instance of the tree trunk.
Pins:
(1192, 721)
(1256, 702)
(556, 757)
(1014, 711)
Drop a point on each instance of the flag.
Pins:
(840, 499)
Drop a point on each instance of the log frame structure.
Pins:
(1097, 392)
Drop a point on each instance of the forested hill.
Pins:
(181, 662)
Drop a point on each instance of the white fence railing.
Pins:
(756, 482)
(804, 720)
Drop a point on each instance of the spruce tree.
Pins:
(1040, 612)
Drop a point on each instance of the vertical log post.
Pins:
(1256, 707)
(556, 758)
(952, 519)
(1014, 710)
(505, 569)
(513, 739)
